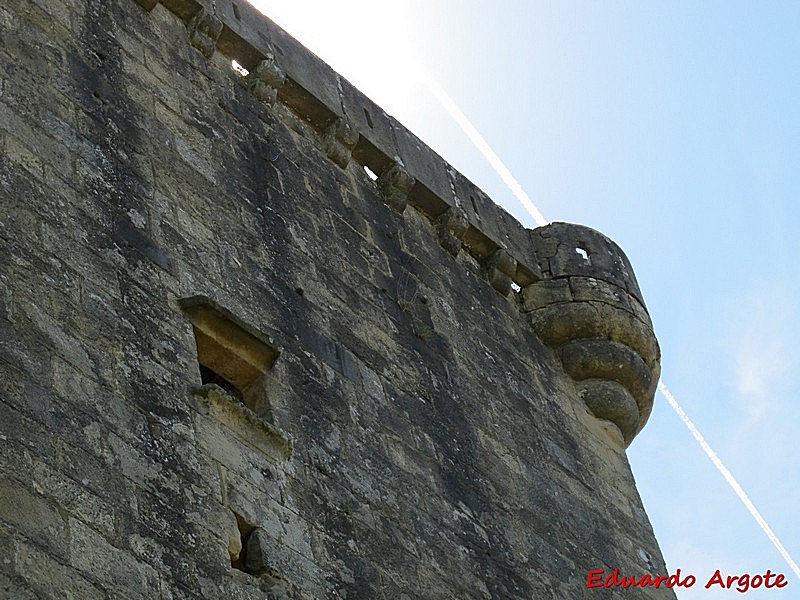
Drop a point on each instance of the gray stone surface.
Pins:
(419, 435)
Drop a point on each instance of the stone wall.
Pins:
(232, 365)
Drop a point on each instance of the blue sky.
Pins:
(674, 128)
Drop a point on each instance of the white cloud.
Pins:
(763, 353)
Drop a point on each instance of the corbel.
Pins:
(266, 79)
(499, 267)
(339, 139)
(204, 31)
(395, 183)
(451, 226)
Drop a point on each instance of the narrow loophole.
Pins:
(583, 254)
(370, 173)
(239, 69)
(208, 375)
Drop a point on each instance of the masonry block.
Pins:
(500, 266)
(395, 183)
(340, 138)
(452, 225)
(204, 30)
(266, 80)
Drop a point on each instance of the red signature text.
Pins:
(597, 578)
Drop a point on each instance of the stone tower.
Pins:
(234, 365)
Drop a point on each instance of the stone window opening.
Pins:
(254, 557)
(370, 173)
(230, 353)
(245, 529)
(239, 69)
(583, 253)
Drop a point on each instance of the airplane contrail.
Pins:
(728, 477)
(483, 147)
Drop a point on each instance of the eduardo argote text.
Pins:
(597, 578)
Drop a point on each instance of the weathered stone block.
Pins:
(340, 138)
(604, 359)
(204, 30)
(75, 498)
(544, 292)
(60, 582)
(376, 146)
(226, 409)
(432, 189)
(395, 183)
(452, 225)
(500, 266)
(93, 555)
(34, 515)
(266, 79)
(610, 401)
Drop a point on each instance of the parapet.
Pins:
(354, 130)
